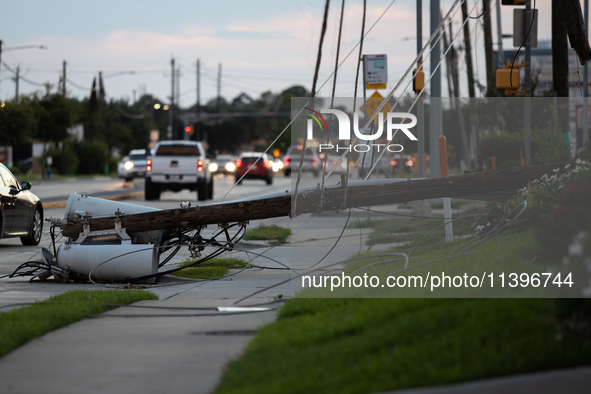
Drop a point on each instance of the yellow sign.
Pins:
(373, 103)
(375, 86)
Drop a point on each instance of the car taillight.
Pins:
(393, 162)
(238, 163)
(200, 166)
(286, 161)
(314, 162)
(149, 165)
(265, 164)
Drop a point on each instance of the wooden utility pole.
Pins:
(468, 50)
(577, 33)
(491, 91)
(359, 194)
(560, 62)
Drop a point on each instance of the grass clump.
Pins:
(388, 231)
(373, 345)
(268, 233)
(19, 326)
(211, 269)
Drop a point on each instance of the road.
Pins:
(54, 193)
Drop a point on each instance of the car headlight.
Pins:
(128, 165)
(230, 167)
(213, 167)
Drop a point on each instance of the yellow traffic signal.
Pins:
(418, 80)
(508, 79)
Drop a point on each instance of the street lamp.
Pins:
(16, 48)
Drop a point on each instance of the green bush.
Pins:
(16, 171)
(505, 147)
(94, 157)
(71, 159)
(547, 147)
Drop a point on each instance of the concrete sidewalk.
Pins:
(177, 344)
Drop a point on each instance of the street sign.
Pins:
(579, 116)
(521, 27)
(373, 103)
(376, 71)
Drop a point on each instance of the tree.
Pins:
(17, 121)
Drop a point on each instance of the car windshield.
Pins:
(251, 159)
(177, 150)
(298, 151)
(138, 157)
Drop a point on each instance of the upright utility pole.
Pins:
(488, 50)
(0, 61)
(64, 78)
(178, 87)
(219, 99)
(198, 106)
(169, 132)
(527, 106)
(468, 49)
(585, 82)
(500, 52)
(420, 105)
(16, 78)
(435, 111)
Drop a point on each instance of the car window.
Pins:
(9, 179)
(177, 150)
(252, 159)
(138, 157)
(298, 150)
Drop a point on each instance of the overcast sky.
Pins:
(262, 44)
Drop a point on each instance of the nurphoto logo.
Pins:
(345, 130)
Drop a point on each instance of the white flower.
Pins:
(579, 161)
(556, 170)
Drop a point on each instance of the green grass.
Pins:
(269, 233)
(409, 229)
(361, 345)
(19, 326)
(211, 269)
(373, 345)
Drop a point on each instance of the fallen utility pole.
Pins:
(358, 194)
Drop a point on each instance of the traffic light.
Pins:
(418, 81)
(508, 79)
(190, 129)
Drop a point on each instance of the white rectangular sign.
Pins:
(376, 69)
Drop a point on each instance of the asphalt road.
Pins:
(54, 194)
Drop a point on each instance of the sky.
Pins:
(262, 45)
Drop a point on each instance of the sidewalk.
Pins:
(177, 344)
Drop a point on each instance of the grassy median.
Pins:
(19, 326)
(210, 269)
(362, 345)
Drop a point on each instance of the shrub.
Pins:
(94, 156)
(71, 159)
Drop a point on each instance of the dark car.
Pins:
(263, 169)
(21, 212)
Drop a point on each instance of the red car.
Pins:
(263, 169)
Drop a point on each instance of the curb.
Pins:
(62, 204)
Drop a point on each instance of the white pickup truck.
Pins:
(178, 165)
